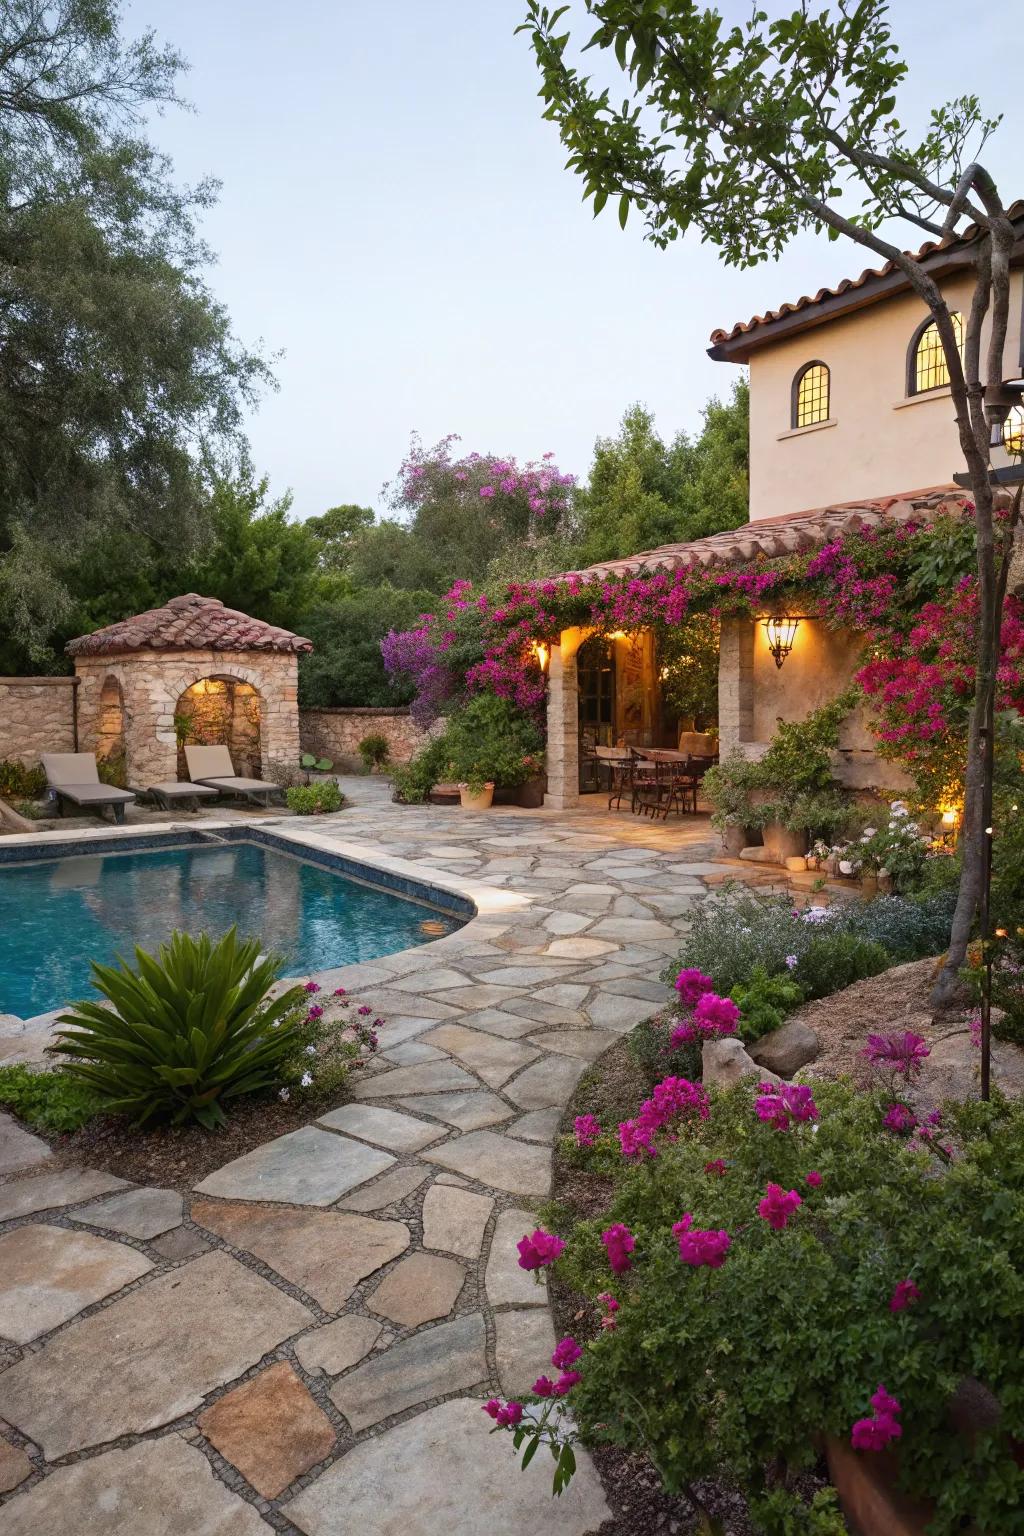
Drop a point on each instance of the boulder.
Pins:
(953, 1068)
(726, 1063)
(786, 1049)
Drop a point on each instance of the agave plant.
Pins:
(184, 1031)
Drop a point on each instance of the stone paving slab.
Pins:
(141, 1213)
(305, 1167)
(338, 1345)
(384, 1127)
(432, 1077)
(420, 1289)
(505, 1282)
(159, 1488)
(14, 1466)
(453, 1479)
(524, 1340)
(512, 1166)
(19, 1149)
(550, 1081)
(393, 1187)
(466, 1111)
(539, 1125)
(325, 1253)
(492, 1059)
(270, 1428)
(454, 1220)
(449, 1358)
(47, 1191)
(143, 1361)
(48, 1274)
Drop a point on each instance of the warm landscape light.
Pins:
(542, 653)
(780, 630)
(617, 634)
(949, 818)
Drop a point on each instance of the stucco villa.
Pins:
(851, 425)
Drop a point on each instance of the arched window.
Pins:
(810, 396)
(926, 361)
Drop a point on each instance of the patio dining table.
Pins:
(664, 779)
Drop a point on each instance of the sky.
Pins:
(396, 222)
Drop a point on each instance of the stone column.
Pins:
(563, 752)
(735, 685)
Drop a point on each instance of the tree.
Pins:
(116, 363)
(337, 532)
(642, 493)
(753, 132)
(346, 666)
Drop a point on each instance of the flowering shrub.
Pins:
(765, 1305)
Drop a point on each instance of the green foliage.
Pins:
(317, 799)
(688, 665)
(486, 740)
(183, 1032)
(345, 666)
(113, 770)
(51, 1102)
(313, 764)
(375, 751)
(726, 787)
(763, 1001)
(732, 1370)
(17, 781)
(836, 960)
(792, 783)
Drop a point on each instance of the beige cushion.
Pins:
(70, 768)
(209, 763)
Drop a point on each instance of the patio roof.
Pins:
(187, 623)
(789, 534)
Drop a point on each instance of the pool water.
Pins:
(56, 916)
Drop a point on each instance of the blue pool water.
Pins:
(58, 915)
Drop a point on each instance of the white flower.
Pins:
(310, 1050)
(306, 1079)
(845, 867)
(868, 832)
(284, 1095)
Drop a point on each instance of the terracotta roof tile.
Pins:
(790, 533)
(188, 623)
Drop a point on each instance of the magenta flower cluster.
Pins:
(904, 1296)
(619, 1243)
(540, 1249)
(878, 1431)
(586, 1130)
(701, 1247)
(902, 1051)
(778, 1205)
(785, 1105)
(673, 1099)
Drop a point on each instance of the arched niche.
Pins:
(221, 710)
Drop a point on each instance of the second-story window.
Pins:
(810, 396)
(927, 360)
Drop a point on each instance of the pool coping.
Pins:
(474, 899)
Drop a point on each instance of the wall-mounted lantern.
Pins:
(542, 653)
(780, 630)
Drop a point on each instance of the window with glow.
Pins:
(1013, 433)
(929, 364)
(810, 400)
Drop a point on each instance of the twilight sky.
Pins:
(396, 220)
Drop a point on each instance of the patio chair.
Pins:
(618, 763)
(173, 794)
(212, 767)
(74, 777)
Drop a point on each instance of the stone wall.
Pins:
(37, 715)
(336, 733)
(152, 683)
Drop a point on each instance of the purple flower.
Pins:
(339, 992)
(316, 1012)
(899, 1118)
(619, 1242)
(874, 1434)
(311, 987)
(883, 1402)
(567, 1352)
(566, 1382)
(543, 1387)
(903, 1051)
(778, 1206)
(714, 1015)
(791, 962)
(905, 1294)
(492, 1407)
(539, 1250)
(716, 1166)
(702, 1248)
(364, 1010)
(487, 490)
(692, 985)
(813, 1178)
(781, 1106)
(511, 1414)
(587, 1130)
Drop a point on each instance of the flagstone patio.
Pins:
(302, 1344)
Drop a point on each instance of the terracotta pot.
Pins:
(783, 844)
(479, 801)
(869, 884)
(734, 840)
(531, 794)
(444, 794)
(872, 1501)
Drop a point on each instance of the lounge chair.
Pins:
(173, 794)
(212, 766)
(74, 776)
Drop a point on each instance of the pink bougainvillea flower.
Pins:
(874, 1434)
(714, 1015)
(883, 1401)
(692, 985)
(619, 1243)
(492, 1406)
(512, 1413)
(905, 1294)
(778, 1206)
(314, 1013)
(717, 1167)
(900, 1119)
(543, 1387)
(902, 1051)
(673, 1098)
(813, 1178)
(566, 1382)
(611, 1306)
(539, 1250)
(785, 1105)
(682, 1035)
(702, 1248)
(339, 991)
(586, 1129)
(566, 1353)
(310, 987)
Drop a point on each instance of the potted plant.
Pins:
(728, 788)
(530, 792)
(476, 793)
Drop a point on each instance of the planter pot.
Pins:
(869, 885)
(783, 844)
(531, 794)
(885, 882)
(504, 796)
(480, 801)
(444, 794)
(734, 840)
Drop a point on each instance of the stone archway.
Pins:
(221, 710)
(110, 741)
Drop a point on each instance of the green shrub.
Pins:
(728, 1371)
(315, 799)
(186, 1030)
(19, 782)
(375, 751)
(47, 1101)
(764, 1001)
(490, 739)
(836, 960)
(113, 770)
(413, 781)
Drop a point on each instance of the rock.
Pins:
(466, 1111)
(305, 1167)
(19, 1149)
(456, 1480)
(490, 1057)
(455, 1220)
(952, 1069)
(540, 1125)
(505, 1282)
(141, 1213)
(159, 1488)
(14, 1466)
(270, 1429)
(496, 1162)
(423, 1287)
(524, 1341)
(46, 1191)
(391, 1188)
(338, 1345)
(431, 1077)
(384, 1127)
(786, 1049)
(325, 1253)
(148, 1358)
(548, 1082)
(449, 1358)
(179, 1243)
(725, 1063)
(47, 1274)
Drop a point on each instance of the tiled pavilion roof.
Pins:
(789, 534)
(187, 623)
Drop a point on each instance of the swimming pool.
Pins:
(59, 913)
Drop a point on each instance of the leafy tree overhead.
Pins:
(346, 666)
(337, 532)
(116, 362)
